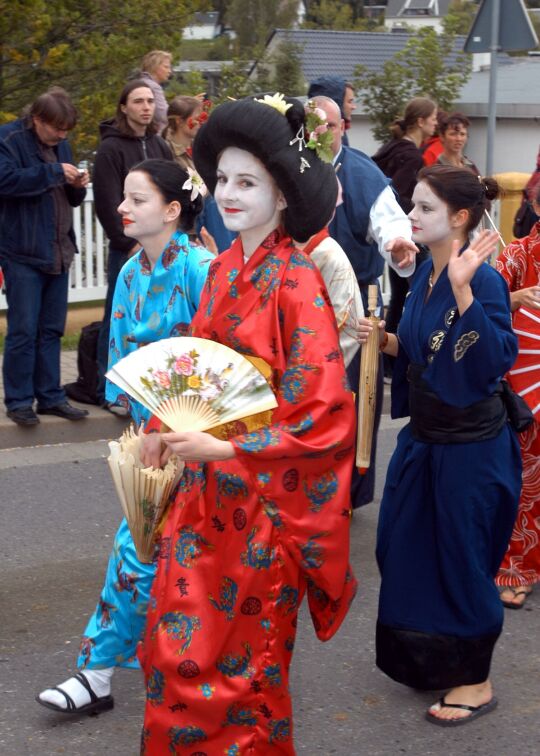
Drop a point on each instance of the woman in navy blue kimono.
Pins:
(454, 480)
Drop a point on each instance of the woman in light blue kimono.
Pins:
(454, 480)
(156, 296)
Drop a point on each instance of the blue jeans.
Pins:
(36, 318)
(114, 266)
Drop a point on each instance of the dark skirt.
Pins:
(446, 517)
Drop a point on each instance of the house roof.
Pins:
(404, 8)
(200, 18)
(326, 52)
(517, 89)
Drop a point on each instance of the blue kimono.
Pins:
(148, 305)
(448, 508)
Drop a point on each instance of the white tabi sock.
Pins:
(98, 679)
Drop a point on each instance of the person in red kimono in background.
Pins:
(519, 264)
(261, 516)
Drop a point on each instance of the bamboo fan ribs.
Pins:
(143, 492)
(367, 388)
(193, 384)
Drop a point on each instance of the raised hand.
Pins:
(462, 267)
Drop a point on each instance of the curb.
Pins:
(99, 425)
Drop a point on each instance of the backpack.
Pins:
(84, 389)
(525, 219)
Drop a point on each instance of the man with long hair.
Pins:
(127, 139)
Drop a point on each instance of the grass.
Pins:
(69, 342)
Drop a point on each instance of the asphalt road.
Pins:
(59, 515)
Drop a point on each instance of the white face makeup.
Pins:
(247, 196)
(144, 211)
(429, 217)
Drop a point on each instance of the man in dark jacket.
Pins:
(126, 140)
(343, 94)
(38, 187)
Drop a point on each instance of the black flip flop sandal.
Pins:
(95, 705)
(476, 711)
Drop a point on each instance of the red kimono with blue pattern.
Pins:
(247, 537)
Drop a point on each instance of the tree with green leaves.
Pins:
(253, 21)
(339, 15)
(287, 65)
(429, 65)
(89, 47)
(460, 17)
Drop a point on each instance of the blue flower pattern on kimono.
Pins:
(300, 260)
(312, 553)
(189, 546)
(178, 626)
(228, 593)
(298, 429)
(259, 439)
(229, 486)
(280, 730)
(258, 555)
(267, 277)
(234, 341)
(272, 675)
(321, 490)
(287, 599)
(231, 276)
(155, 687)
(237, 714)
(185, 736)
(237, 665)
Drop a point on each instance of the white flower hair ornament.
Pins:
(276, 101)
(195, 184)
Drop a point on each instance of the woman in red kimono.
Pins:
(519, 264)
(261, 516)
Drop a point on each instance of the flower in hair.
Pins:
(195, 184)
(320, 136)
(276, 101)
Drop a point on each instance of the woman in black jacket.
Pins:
(400, 159)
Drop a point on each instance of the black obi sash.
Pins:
(434, 422)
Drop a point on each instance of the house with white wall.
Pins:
(415, 13)
(518, 91)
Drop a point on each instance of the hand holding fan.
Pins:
(143, 491)
(193, 384)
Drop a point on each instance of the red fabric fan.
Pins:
(525, 375)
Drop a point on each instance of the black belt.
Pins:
(434, 422)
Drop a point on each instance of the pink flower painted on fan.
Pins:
(163, 378)
(184, 365)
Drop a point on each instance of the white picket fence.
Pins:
(88, 281)
(87, 276)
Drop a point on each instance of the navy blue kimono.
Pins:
(448, 508)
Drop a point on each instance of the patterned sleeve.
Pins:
(512, 263)
(315, 415)
(121, 323)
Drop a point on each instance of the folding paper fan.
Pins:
(143, 492)
(525, 375)
(193, 384)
